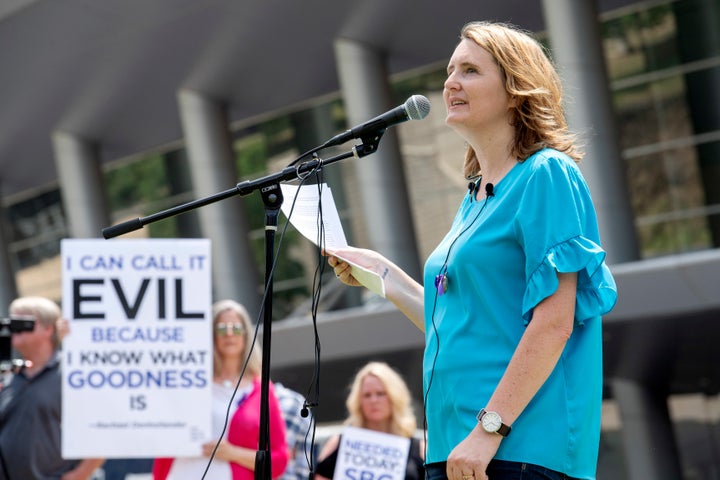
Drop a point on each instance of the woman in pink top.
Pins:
(235, 455)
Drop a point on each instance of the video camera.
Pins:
(8, 326)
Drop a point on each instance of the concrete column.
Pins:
(648, 440)
(386, 206)
(212, 165)
(8, 287)
(81, 185)
(576, 43)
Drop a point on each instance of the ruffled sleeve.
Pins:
(596, 290)
(557, 227)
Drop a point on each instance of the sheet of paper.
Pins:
(305, 218)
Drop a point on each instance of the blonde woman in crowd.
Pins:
(379, 400)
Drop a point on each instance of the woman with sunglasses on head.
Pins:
(236, 451)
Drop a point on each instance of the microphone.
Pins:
(415, 108)
(305, 410)
(474, 187)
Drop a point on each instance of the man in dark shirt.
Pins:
(30, 404)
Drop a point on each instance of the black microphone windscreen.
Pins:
(489, 189)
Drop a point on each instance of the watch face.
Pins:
(491, 421)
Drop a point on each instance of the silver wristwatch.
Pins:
(492, 423)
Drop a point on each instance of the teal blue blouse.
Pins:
(500, 259)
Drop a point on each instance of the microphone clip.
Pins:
(305, 410)
(474, 188)
(369, 145)
(489, 190)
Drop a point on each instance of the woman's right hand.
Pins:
(401, 289)
(368, 259)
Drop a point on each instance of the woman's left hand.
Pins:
(470, 458)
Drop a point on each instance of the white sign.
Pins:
(369, 455)
(137, 363)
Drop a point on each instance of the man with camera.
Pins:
(30, 403)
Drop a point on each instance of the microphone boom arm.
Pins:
(242, 188)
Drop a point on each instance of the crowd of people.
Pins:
(30, 408)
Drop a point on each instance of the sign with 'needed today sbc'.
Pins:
(369, 455)
(137, 363)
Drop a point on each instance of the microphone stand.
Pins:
(269, 187)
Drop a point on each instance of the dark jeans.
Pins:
(502, 470)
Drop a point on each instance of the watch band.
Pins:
(502, 429)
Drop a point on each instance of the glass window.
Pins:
(663, 73)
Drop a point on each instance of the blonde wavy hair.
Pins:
(403, 421)
(254, 365)
(531, 79)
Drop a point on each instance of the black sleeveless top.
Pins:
(415, 466)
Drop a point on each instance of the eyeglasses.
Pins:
(228, 328)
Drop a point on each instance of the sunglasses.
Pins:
(229, 328)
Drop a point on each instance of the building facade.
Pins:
(643, 90)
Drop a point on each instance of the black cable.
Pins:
(313, 393)
(257, 328)
(443, 269)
